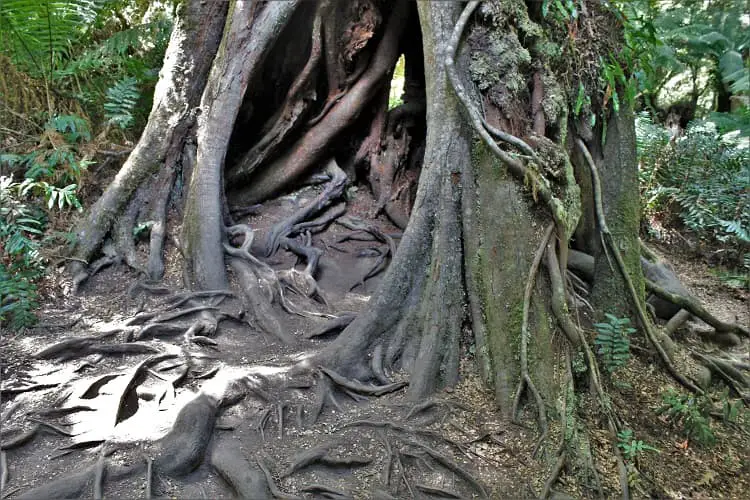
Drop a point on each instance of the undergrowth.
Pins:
(691, 414)
(613, 342)
(703, 178)
(52, 172)
(74, 73)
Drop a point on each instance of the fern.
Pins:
(117, 50)
(631, 447)
(73, 127)
(38, 33)
(706, 174)
(614, 342)
(22, 225)
(20, 264)
(18, 297)
(121, 100)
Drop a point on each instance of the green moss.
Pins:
(548, 50)
(499, 63)
(555, 102)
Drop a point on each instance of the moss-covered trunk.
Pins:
(501, 235)
(618, 169)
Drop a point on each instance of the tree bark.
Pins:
(192, 46)
(242, 51)
(313, 146)
(417, 314)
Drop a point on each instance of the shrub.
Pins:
(22, 224)
(704, 174)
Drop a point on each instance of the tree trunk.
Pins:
(416, 317)
(192, 46)
(241, 53)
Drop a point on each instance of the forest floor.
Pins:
(386, 440)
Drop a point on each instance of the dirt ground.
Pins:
(463, 424)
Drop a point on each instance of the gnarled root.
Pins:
(333, 191)
(246, 478)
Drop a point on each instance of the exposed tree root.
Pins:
(553, 476)
(55, 429)
(83, 275)
(246, 478)
(430, 403)
(525, 379)
(62, 412)
(99, 475)
(357, 387)
(731, 375)
(88, 346)
(266, 277)
(124, 243)
(694, 307)
(149, 477)
(332, 192)
(255, 302)
(332, 325)
(451, 466)
(262, 462)
(434, 491)
(179, 299)
(12, 408)
(633, 294)
(12, 391)
(19, 439)
(303, 282)
(676, 322)
(362, 227)
(183, 448)
(322, 491)
(3, 471)
(320, 455)
(70, 486)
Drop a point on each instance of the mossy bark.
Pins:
(502, 232)
(618, 170)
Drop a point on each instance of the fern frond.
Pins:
(38, 33)
(121, 100)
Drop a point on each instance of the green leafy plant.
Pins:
(22, 225)
(122, 98)
(57, 159)
(20, 264)
(704, 175)
(632, 447)
(613, 341)
(690, 413)
(565, 9)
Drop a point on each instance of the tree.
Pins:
(528, 159)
